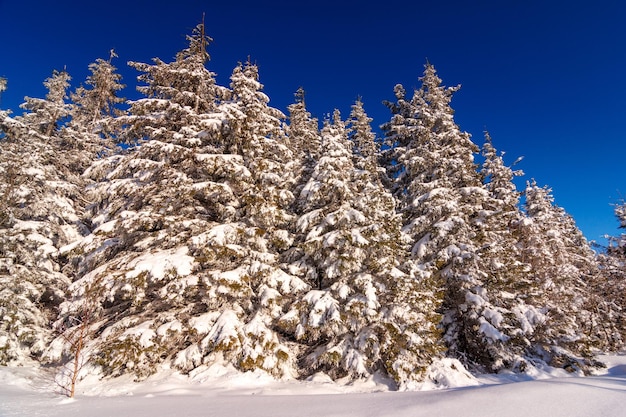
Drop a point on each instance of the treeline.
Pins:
(199, 225)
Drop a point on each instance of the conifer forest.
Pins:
(197, 224)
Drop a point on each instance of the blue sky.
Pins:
(546, 78)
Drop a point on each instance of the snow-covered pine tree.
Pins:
(408, 336)
(316, 318)
(305, 142)
(322, 259)
(399, 133)
(40, 216)
(265, 149)
(561, 263)
(606, 300)
(91, 132)
(501, 340)
(101, 100)
(170, 257)
(365, 150)
(46, 115)
(350, 241)
(445, 208)
(303, 128)
(154, 210)
(258, 135)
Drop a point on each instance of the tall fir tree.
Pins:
(606, 299)
(47, 115)
(499, 313)
(561, 262)
(350, 246)
(177, 199)
(99, 99)
(265, 213)
(440, 194)
(363, 139)
(156, 200)
(41, 216)
(92, 132)
(305, 141)
(399, 132)
(408, 335)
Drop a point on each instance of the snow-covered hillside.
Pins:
(25, 392)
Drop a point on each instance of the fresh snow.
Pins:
(160, 262)
(222, 391)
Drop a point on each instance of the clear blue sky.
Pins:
(546, 78)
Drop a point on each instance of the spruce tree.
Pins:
(177, 269)
(91, 133)
(350, 244)
(440, 194)
(154, 212)
(502, 330)
(305, 142)
(41, 217)
(363, 139)
(606, 300)
(100, 99)
(399, 133)
(561, 262)
(330, 256)
(261, 140)
(47, 115)
(407, 327)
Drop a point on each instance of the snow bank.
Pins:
(222, 391)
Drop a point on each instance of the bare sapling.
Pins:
(75, 332)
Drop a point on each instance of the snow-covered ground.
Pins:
(220, 392)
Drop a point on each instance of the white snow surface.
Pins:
(219, 391)
(158, 263)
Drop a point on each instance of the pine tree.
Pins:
(178, 257)
(264, 146)
(606, 299)
(399, 133)
(349, 248)
(440, 195)
(305, 142)
(561, 262)
(95, 104)
(498, 312)
(47, 115)
(157, 205)
(329, 256)
(40, 217)
(260, 138)
(91, 131)
(408, 335)
(363, 139)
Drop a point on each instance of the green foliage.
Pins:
(128, 355)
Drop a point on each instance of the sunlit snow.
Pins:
(221, 391)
